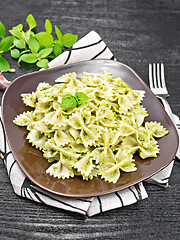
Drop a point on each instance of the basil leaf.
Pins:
(6, 43)
(31, 21)
(45, 39)
(18, 27)
(33, 44)
(45, 52)
(15, 53)
(29, 34)
(69, 39)
(81, 97)
(68, 101)
(57, 49)
(59, 36)
(17, 31)
(28, 58)
(2, 30)
(48, 26)
(4, 65)
(52, 56)
(43, 63)
(20, 43)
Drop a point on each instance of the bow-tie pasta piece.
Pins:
(106, 116)
(84, 165)
(156, 129)
(66, 78)
(79, 148)
(106, 161)
(60, 171)
(151, 151)
(24, 119)
(61, 138)
(37, 139)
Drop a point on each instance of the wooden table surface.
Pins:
(138, 33)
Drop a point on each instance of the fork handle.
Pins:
(167, 108)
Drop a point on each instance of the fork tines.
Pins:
(157, 79)
(156, 75)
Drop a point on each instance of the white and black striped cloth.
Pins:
(89, 47)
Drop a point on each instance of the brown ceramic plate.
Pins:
(31, 160)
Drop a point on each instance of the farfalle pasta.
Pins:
(96, 138)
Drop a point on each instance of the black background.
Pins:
(138, 33)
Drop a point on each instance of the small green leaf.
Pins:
(45, 52)
(29, 34)
(15, 53)
(45, 39)
(6, 43)
(19, 27)
(4, 65)
(31, 21)
(59, 36)
(2, 30)
(68, 101)
(52, 56)
(20, 43)
(69, 39)
(81, 97)
(48, 26)
(43, 63)
(28, 58)
(33, 44)
(57, 49)
(17, 31)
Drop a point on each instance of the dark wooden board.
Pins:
(137, 32)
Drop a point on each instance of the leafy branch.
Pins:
(30, 47)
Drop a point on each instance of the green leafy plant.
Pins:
(30, 47)
(70, 101)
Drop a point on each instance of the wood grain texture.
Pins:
(137, 32)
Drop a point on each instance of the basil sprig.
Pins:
(70, 101)
(30, 47)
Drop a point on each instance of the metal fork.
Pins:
(158, 85)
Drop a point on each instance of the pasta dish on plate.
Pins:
(90, 126)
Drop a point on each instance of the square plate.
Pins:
(31, 160)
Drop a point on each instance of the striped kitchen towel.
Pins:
(89, 47)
